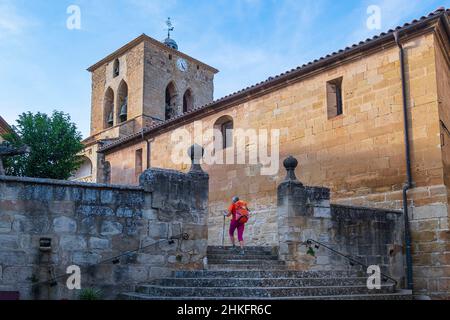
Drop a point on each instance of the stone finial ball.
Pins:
(196, 152)
(290, 163)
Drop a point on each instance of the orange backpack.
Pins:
(242, 214)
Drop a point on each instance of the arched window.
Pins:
(224, 125)
(116, 68)
(188, 101)
(171, 101)
(122, 102)
(108, 109)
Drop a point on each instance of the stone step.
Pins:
(248, 267)
(255, 282)
(251, 250)
(242, 257)
(256, 274)
(391, 296)
(247, 252)
(244, 261)
(268, 292)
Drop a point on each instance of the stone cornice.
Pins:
(142, 38)
(65, 183)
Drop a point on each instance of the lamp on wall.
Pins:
(45, 244)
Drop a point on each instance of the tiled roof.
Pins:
(292, 74)
(4, 126)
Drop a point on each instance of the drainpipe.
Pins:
(148, 154)
(409, 183)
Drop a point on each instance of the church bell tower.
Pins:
(146, 82)
(143, 83)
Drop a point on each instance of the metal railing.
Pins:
(114, 260)
(309, 243)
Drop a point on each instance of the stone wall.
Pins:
(370, 236)
(89, 224)
(374, 236)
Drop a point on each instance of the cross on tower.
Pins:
(170, 27)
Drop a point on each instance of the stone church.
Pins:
(342, 116)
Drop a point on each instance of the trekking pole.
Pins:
(223, 231)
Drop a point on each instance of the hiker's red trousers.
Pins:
(240, 228)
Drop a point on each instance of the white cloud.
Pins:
(11, 23)
(157, 10)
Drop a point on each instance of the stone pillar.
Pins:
(303, 213)
(103, 172)
(179, 205)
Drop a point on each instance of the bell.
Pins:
(124, 111)
(110, 119)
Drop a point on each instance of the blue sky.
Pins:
(43, 64)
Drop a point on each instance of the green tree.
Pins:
(54, 142)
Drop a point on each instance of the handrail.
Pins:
(116, 259)
(350, 258)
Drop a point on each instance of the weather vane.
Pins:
(170, 27)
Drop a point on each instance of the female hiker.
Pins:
(240, 215)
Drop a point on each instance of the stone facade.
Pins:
(358, 155)
(160, 69)
(90, 224)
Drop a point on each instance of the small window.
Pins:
(170, 57)
(116, 68)
(227, 134)
(138, 163)
(225, 126)
(334, 98)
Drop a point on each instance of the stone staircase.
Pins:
(260, 275)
